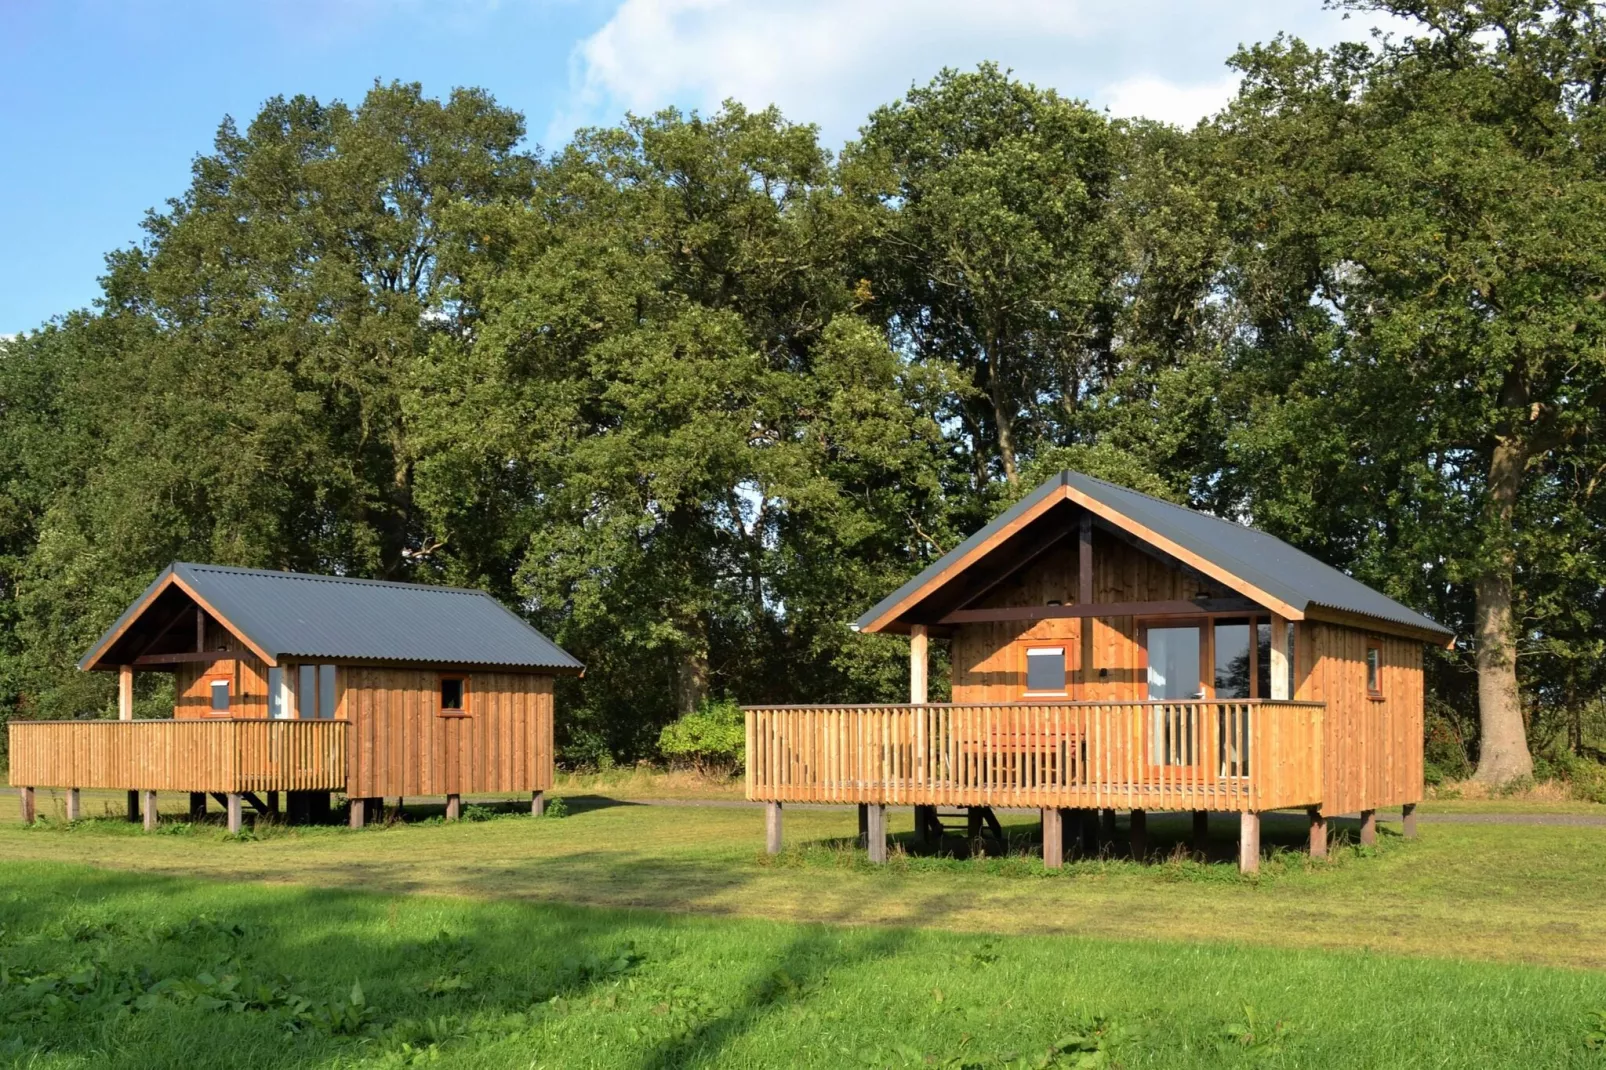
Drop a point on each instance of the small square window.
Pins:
(454, 695)
(1374, 669)
(1045, 669)
(220, 696)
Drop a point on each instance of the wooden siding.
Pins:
(1374, 745)
(216, 754)
(400, 745)
(247, 675)
(988, 659)
(1068, 754)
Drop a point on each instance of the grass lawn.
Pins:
(1475, 945)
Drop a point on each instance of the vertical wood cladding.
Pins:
(1373, 752)
(399, 744)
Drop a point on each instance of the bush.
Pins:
(711, 739)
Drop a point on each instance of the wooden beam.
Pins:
(125, 692)
(200, 629)
(1084, 560)
(1279, 658)
(1203, 607)
(919, 665)
(186, 657)
(1377, 624)
(1016, 563)
(772, 828)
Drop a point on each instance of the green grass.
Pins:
(125, 970)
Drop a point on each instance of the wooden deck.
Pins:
(225, 755)
(1243, 755)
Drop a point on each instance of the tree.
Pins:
(1420, 236)
(996, 251)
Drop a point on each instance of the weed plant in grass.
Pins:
(120, 970)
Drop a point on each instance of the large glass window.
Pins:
(1232, 659)
(326, 692)
(1045, 670)
(1173, 655)
(307, 693)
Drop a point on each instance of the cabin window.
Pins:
(1045, 670)
(326, 692)
(307, 693)
(1374, 668)
(1232, 660)
(278, 695)
(454, 696)
(219, 690)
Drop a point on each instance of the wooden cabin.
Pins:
(1110, 651)
(309, 685)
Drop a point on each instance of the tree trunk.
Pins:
(1004, 421)
(691, 674)
(1503, 739)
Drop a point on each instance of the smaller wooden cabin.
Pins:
(307, 685)
(1110, 650)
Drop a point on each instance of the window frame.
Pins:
(1026, 649)
(1374, 679)
(211, 680)
(462, 681)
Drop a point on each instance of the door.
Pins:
(1174, 676)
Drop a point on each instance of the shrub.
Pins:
(711, 739)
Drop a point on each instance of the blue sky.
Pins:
(103, 105)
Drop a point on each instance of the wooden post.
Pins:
(133, 806)
(148, 808)
(864, 824)
(29, 812)
(1106, 827)
(537, 803)
(772, 828)
(1408, 820)
(233, 806)
(1249, 842)
(125, 692)
(878, 832)
(919, 663)
(200, 630)
(925, 817)
(1279, 658)
(273, 803)
(1140, 835)
(356, 812)
(75, 807)
(454, 807)
(197, 806)
(1201, 831)
(1368, 827)
(1053, 837)
(1318, 832)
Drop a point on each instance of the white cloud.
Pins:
(833, 61)
(1156, 98)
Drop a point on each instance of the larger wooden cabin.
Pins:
(309, 684)
(1110, 650)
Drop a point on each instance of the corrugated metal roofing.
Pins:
(1260, 560)
(291, 614)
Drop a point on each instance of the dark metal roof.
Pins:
(290, 614)
(1260, 560)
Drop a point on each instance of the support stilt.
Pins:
(878, 833)
(233, 804)
(1201, 831)
(1368, 827)
(273, 803)
(1106, 827)
(1090, 832)
(537, 803)
(864, 824)
(29, 811)
(357, 813)
(147, 806)
(1140, 835)
(1318, 832)
(1249, 842)
(772, 828)
(1053, 837)
(197, 806)
(75, 805)
(1408, 820)
(133, 806)
(454, 807)
(925, 817)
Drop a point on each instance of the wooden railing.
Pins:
(222, 755)
(1205, 755)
